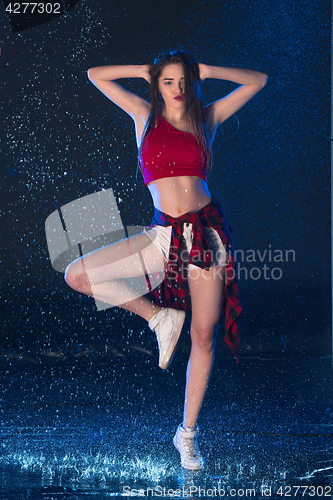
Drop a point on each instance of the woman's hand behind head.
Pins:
(146, 72)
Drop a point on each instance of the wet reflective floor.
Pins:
(94, 422)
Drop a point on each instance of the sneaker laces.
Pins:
(190, 446)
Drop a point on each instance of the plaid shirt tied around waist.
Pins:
(174, 290)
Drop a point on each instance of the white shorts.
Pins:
(161, 236)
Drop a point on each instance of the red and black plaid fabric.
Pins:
(174, 290)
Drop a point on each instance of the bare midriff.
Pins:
(176, 196)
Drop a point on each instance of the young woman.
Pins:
(189, 238)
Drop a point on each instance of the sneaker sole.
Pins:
(172, 348)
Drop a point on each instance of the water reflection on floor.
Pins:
(91, 427)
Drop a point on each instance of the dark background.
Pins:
(62, 139)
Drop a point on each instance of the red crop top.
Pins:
(169, 152)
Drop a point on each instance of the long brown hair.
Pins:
(192, 103)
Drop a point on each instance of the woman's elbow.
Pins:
(264, 79)
(90, 73)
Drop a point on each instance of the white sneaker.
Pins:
(185, 440)
(167, 324)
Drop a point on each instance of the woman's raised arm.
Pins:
(251, 82)
(103, 78)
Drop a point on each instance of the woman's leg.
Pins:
(116, 274)
(207, 289)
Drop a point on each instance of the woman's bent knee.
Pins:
(78, 281)
(70, 279)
